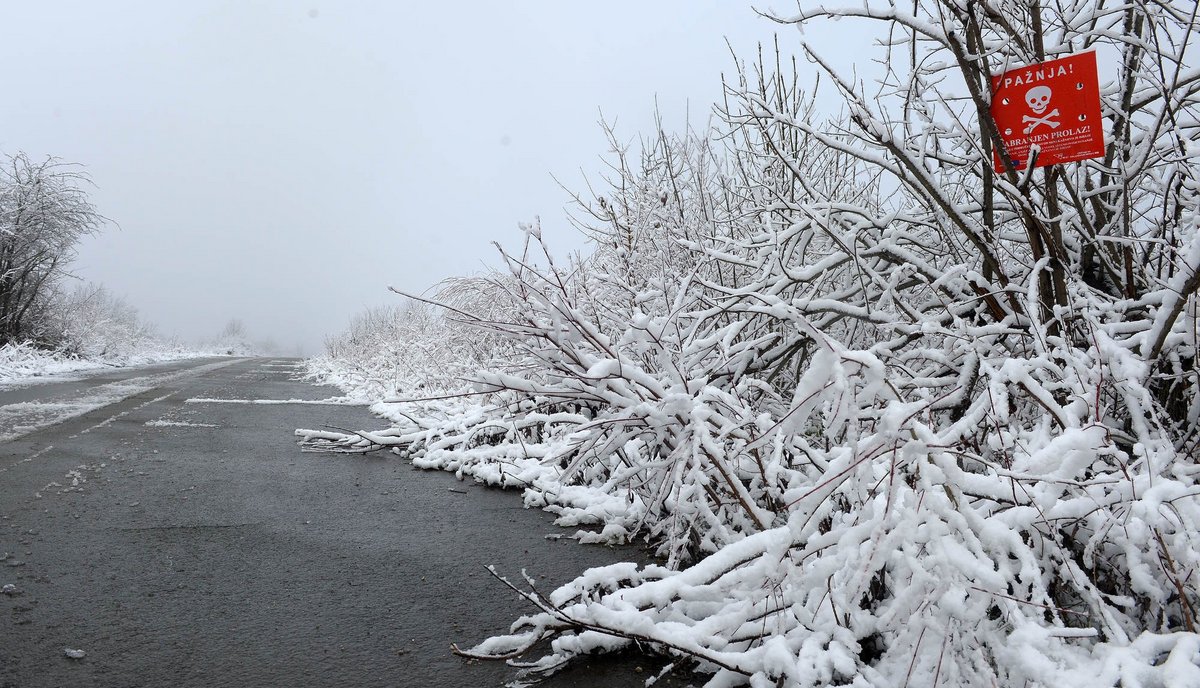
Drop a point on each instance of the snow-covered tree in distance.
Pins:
(234, 340)
(234, 330)
(894, 418)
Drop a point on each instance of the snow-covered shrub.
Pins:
(386, 351)
(24, 361)
(91, 323)
(892, 417)
(414, 349)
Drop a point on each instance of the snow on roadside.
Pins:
(599, 516)
(22, 364)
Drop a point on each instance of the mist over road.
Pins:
(192, 543)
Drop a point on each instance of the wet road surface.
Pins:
(193, 544)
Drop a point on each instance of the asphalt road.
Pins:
(183, 543)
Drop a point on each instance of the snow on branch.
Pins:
(889, 417)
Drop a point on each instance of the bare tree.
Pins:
(44, 213)
(234, 330)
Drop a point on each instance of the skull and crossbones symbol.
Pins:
(1038, 99)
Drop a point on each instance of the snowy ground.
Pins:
(22, 365)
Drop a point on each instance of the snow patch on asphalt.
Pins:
(122, 414)
(23, 365)
(74, 478)
(178, 424)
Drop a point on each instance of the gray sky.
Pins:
(283, 162)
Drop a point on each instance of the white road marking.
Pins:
(331, 401)
(142, 405)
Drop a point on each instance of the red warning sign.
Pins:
(1054, 106)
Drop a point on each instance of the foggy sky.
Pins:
(284, 162)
